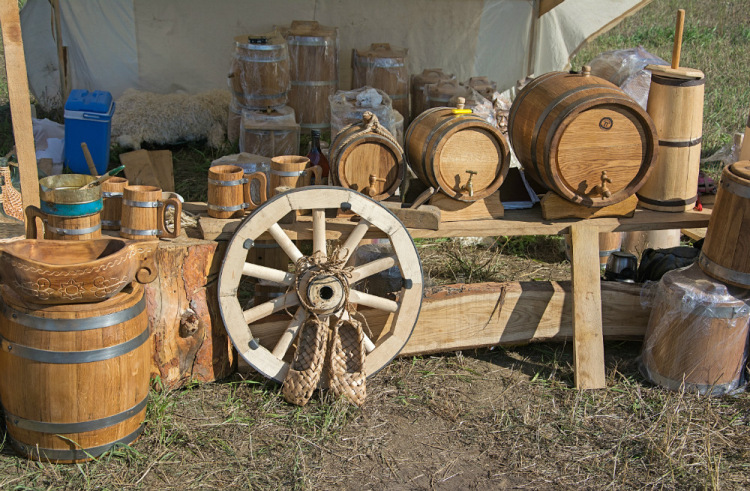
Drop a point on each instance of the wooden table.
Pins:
(588, 346)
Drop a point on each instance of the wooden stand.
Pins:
(554, 208)
(452, 210)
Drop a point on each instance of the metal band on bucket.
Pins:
(78, 427)
(142, 204)
(74, 357)
(131, 231)
(285, 173)
(723, 273)
(111, 223)
(237, 182)
(227, 208)
(71, 209)
(66, 325)
(84, 453)
(73, 231)
(737, 189)
(671, 202)
(111, 194)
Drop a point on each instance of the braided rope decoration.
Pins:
(370, 124)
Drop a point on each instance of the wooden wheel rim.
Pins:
(266, 218)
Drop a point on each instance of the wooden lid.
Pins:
(310, 28)
(432, 76)
(681, 72)
(264, 41)
(741, 169)
(382, 50)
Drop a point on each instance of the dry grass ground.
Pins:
(486, 419)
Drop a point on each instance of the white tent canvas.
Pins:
(186, 45)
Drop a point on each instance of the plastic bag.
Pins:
(348, 106)
(626, 69)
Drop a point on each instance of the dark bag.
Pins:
(656, 262)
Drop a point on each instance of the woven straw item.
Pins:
(304, 372)
(346, 366)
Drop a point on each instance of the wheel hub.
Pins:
(324, 293)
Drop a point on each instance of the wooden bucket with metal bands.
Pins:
(112, 190)
(259, 72)
(462, 155)
(144, 214)
(582, 137)
(383, 67)
(61, 195)
(75, 378)
(725, 251)
(58, 227)
(697, 334)
(676, 107)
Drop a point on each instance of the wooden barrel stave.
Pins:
(676, 107)
(87, 388)
(442, 147)
(567, 129)
(697, 334)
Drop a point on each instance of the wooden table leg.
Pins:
(588, 343)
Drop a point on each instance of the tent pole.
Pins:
(61, 58)
(20, 104)
(532, 37)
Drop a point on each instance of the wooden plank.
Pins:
(515, 222)
(547, 5)
(138, 168)
(161, 160)
(452, 210)
(554, 208)
(588, 343)
(20, 103)
(460, 317)
(425, 216)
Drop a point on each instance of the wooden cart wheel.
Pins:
(323, 293)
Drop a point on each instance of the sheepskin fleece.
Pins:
(170, 118)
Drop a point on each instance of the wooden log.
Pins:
(460, 317)
(190, 342)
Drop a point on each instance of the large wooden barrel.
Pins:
(259, 72)
(725, 251)
(369, 162)
(75, 378)
(582, 137)
(314, 59)
(269, 133)
(676, 107)
(697, 334)
(461, 155)
(384, 67)
(429, 76)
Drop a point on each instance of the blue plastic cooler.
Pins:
(88, 118)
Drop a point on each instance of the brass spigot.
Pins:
(469, 186)
(371, 189)
(602, 189)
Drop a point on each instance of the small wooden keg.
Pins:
(314, 58)
(259, 72)
(676, 107)
(74, 379)
(269, 133)
(441, 93)
(291, 171)
(429, 76)
(460, 154)
(483, 85)
(384, 67)
(725, 251)
(582, 137)
(57, 227)
(697, 333)
(112, 190)
(367, 158)
(144, 214)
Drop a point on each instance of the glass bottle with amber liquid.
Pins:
(317, 158)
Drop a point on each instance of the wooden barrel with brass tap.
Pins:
(75, 378)
(582, 137)
(367, 159)
(457, 153)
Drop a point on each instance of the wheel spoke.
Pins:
(265, 309)
(369, 345)
(319, 231)
(354, 238)
(371, 268)
(286, 340)
(368, 300)
(271, 275)
(285, 242)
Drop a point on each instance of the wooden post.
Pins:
(588, 342)
(20, 104)
(62, 58)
